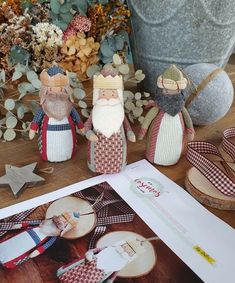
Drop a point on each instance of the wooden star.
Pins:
(18, 178)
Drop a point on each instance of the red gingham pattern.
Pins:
(108, 153)
(7, 226)
(152, 140)
(83, 273)
(212, 172)
(227, 145)
(102, 209)
(16, 218)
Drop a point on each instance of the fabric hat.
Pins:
(172, 79)
(55, 76)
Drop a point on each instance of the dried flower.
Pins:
(78, 24)
(48, 33)
(79, 53)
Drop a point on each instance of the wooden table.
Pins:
(21, 152)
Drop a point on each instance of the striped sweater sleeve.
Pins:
(147, 121)
(76, 118)
(37, 120)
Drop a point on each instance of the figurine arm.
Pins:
(37, 120)
(188, 124)
(147, 121)
(40, 249)
(128, 129)
(90, 135)
(76, 118)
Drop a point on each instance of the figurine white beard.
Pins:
(113, 112)
(102, 264)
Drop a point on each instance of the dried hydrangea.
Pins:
(49, 33)
(78, 24)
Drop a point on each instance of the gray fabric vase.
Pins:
(180, 32)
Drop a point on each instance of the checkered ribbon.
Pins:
(227, 145)
(8, 223)
(102, 209)
(212, 172)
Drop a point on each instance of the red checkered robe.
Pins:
(82, 271)
(108, 155)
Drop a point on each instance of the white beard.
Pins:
(107, 116)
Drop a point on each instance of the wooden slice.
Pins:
(86, 223)
(202, 190)
(141, 265)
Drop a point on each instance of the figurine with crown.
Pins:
(102, 264)
(56, 119)
(168, 121)
(107, 128)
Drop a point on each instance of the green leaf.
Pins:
(20, 68)
(16, 75)
(124, 69)
(119, 42)
(146, 94)
(141, 119)
(9, 104)
(20, 112)
(36, 83)
(106, 49)
(65, 8)
(31, 76)
(11, 122)
(129, 105)
(79, 93)
(85, 113)
(129, 94)
(3, 76)
(92, 70)
(138, 95)
(82, 104)
(66, 18)
(117, 59)
(9, 135)
(140, 77)
(72, 75)
(55, 6)
(137, 111)
(61, 24)
(34, 106)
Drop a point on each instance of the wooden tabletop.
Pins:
(21, 152)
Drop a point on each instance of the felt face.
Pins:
(128, 249)
(108, 94)
(170, 91)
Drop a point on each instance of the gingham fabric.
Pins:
(86, 272)
(9, 222)
(7, 226)
(210, 170)
(227, 145)
(108, 153)
(102, 209)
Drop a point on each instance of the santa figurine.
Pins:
(56, 119)
(107, 127)
(34, 240)
(102, 264)
(168, 122)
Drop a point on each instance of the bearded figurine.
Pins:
(168, 122)
(107, 127)
(56, 119)
(34, 239)
(102, 264)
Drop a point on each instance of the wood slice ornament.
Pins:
(202, 190)
(138, 267)
(87, 219)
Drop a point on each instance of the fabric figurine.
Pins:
(107, 126)
(169, 120)
(34, 240)
(101, 264)
(56, 117)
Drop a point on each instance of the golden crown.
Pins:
(109, 82)
(57, 80)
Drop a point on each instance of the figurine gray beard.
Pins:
(171, 104)
(57, 106)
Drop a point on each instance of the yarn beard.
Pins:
(57, 108)
(171, 104)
